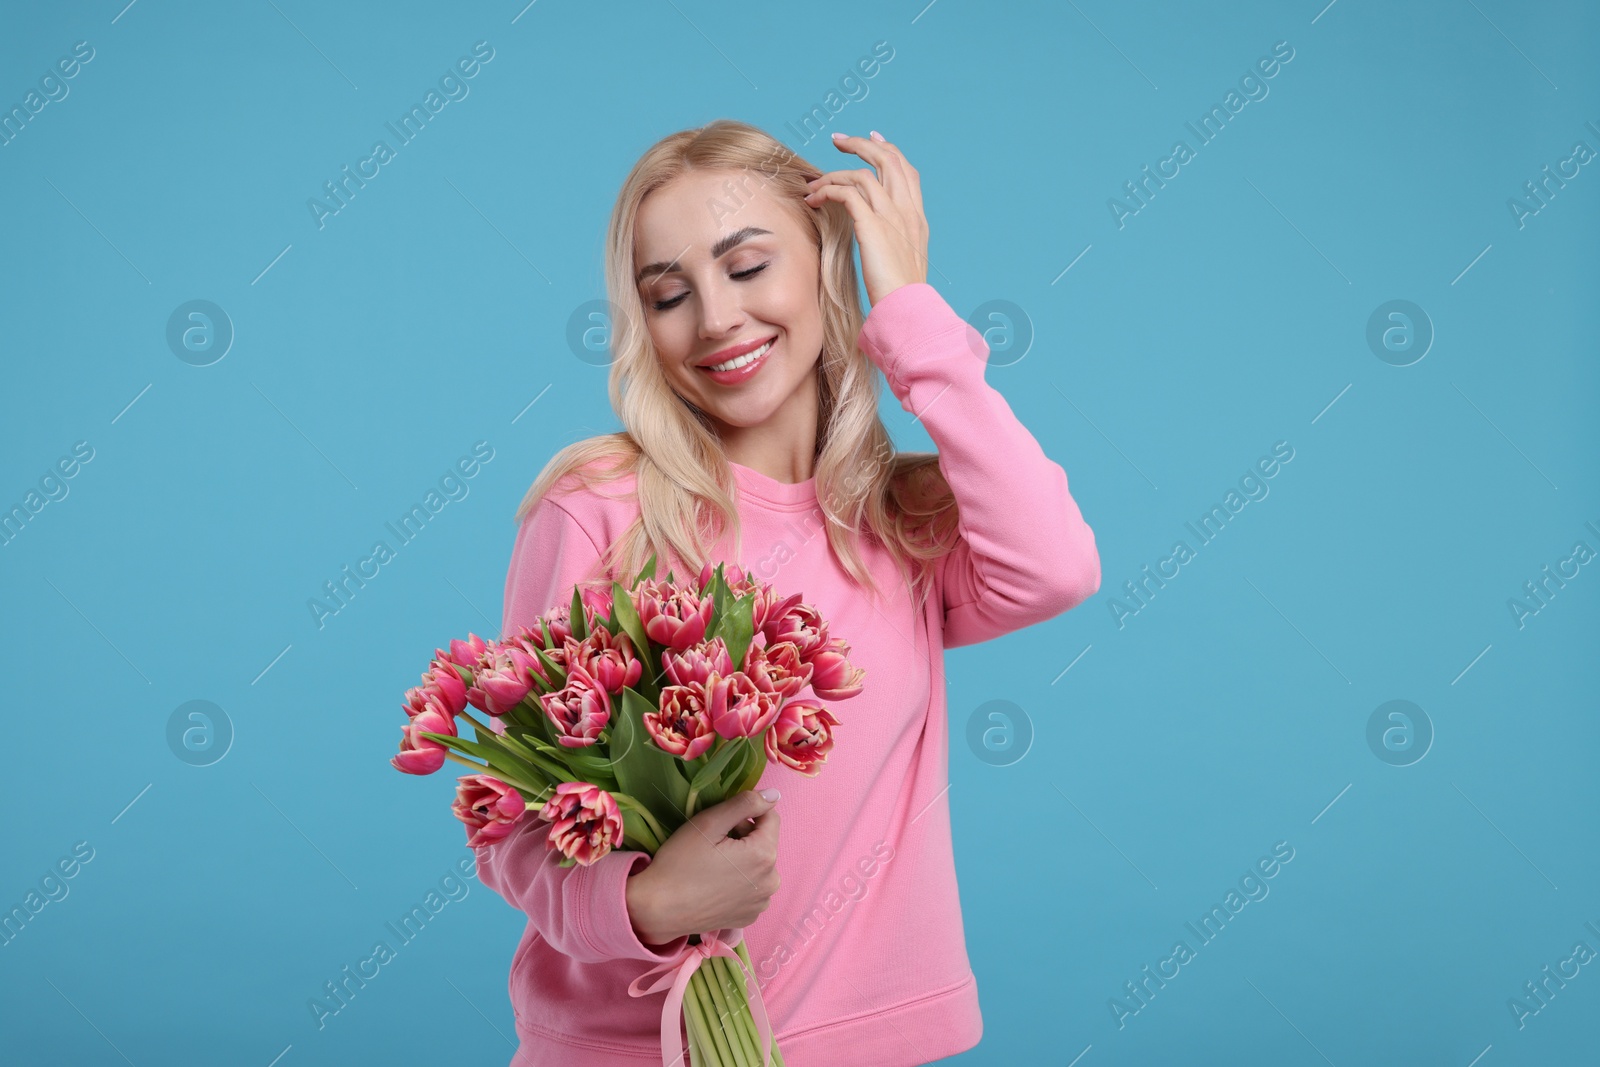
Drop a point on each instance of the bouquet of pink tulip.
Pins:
(619, 716)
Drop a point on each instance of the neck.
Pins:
(785, 446)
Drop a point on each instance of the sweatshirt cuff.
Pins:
(603, 920)
(907, 321)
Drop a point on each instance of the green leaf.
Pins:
(502, 764)
(522, 716)
(648, 571)
(712, 771)
(645, 772)
(724, 788)
(753, 774)
(738, 628)
(628, 619)
(507, 741)
(580, 625)
(720, 787)
(557, 675)
(532, 719)
(492, 754)
(591, 767)
(721, 596)
(634, 830)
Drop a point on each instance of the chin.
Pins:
(745, 416)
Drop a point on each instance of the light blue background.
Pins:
(1228, 314)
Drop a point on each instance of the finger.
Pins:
(695, 825)
(765, 832)
(862, 213)
(913, 178)
(848, 195)
(862, 179)
(888, 161)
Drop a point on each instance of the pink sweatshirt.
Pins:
(861, 955)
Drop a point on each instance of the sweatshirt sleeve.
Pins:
(582, 911)
(1024, 553)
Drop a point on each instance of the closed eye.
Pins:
(743, 275)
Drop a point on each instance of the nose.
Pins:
(720, 313)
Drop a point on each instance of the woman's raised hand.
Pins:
(891, 230)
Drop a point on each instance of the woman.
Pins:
(746, 383)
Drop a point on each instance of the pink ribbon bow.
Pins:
(676, 973)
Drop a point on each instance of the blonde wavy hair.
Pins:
(684, 486)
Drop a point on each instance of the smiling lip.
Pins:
(734, 352)
(739, 375)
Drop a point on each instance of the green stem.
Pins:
(744, 954)
(648, 843)
(699, 1034)
(479, 767)
(489, 736)
(719, 1039)
(522, 787)
(697, 1054)
(510, 744)
(741, 1021)
(771, 1056)
(732, 1008)
(643, 812)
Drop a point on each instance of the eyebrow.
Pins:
(724, 245)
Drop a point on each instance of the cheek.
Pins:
(671, 341)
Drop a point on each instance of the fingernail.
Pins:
(770, 794)
(876, 136)
(837, 136)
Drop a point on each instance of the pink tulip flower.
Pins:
(738, 707)
(769, 607)
(674, 616)
(528, 637)
(731, 572)
(418, 754)
(452, 691)
(559, 622)
(609, 660)
(504, 678)
(832, 677)
(489, 807)
(802, 736)
(468, 653)
(697, 662)
(596, 602)
(778, 668)
(531, 641)
(580, 709)
(596, 598)
(801, 626)
(682, 725)
(585, 822)
(420, 698)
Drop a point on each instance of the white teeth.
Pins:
(747, 358)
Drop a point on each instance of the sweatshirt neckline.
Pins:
(764, 487)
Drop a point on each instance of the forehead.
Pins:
(687, 215)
